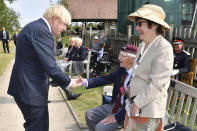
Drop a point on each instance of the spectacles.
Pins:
(140, 23)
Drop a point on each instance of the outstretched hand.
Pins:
(77, 82)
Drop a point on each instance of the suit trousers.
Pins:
(36, 117)
(95, 115)
(5, 44)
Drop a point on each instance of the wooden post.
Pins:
(84, 32)
(90, 38)
(129, 29)
(171, 32)
(106, 27)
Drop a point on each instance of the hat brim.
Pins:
(132, 17)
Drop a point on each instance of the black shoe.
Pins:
(71, 95)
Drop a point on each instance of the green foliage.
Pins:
(64, 3)
(65, 40)
(8, 17)
(95, 26)
(11, 1)
(13, 19)
(90, 98)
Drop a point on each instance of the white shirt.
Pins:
(4, 34)
(130, 72)
(47, 23)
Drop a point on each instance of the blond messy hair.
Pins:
(78, 40)
(72, 38)
(58, 11)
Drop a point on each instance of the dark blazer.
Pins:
(59, 45)
(181, 62)
(69, 52)
(115, 78)
(78, 54)
(34, 63)
(14, 37)
(7, 35)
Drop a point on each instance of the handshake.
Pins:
(78, 82)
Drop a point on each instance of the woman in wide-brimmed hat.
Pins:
(151, 77)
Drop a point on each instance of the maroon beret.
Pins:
(129, 49)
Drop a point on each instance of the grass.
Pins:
(89, 98)
(5, 58)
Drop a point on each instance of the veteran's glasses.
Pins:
(139, 23)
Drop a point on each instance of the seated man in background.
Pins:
(181, 58)
(96, 45)
(59, 46)
(110, 116)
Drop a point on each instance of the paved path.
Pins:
(11, 118)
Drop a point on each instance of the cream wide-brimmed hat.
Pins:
(151, 12)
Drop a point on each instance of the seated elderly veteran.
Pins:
(110, 116)
(181, 59)
(96, 46)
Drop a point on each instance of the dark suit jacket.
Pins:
(7, 35)
(69, 52)
(181, 62)
(14, 37)
(115, 78)
(34, 63)
(59, 45)
(78, 54)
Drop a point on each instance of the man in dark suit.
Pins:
(110, 116)
(14, 37)
(181, 58)
(34, 63)
(5, 37)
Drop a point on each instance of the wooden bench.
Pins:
(182, 97)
